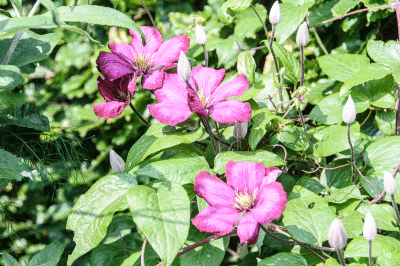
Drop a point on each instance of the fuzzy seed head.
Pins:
(275, 13)
(117, 163)
(201, 36)
(184, 68)
(337, 236)
(349, 111)
(369, 230)
(389, 183)
(303, 36)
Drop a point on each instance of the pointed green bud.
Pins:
(337, 235)
(302, 35)
(275, 13)
(349, 111)
(369, 230)
(389, 183)
(184, 68)
(117, 163)
(201, 36)
(240, 130)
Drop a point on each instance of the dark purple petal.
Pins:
(153, 79)
(234, 87)
(109, 109)
(113, 67)
(230, 111)
(214, 190)
(241, 175)
(108, 89)
(168, 112)
(248, 229)
(195, 105)
(170, 50)
(270, 203)
(215, 220)
(207, 79)
(153, 41)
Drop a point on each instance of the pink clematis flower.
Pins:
(116, 95)
(250, 190)
(149, 60)
(205, 96)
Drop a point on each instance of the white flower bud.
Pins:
(349, 111)
(369, 230)
(240, 130)
(117, 163)
(201, 36)
(389, 183)
(275, 13)
(184, 68)
(302, 35)
(337, 236)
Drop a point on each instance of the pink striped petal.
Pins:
(214, 190)
(153, 41)
(207, 79)
(170, 50)
(271, 174)
(123, 51)
(109, 109)
(234, 87)
(241, 175)
(173, 90)
(168, 112)
(248, 229)
(270, 203)
(153, 80)
(230, 111)
(215, 220)
(113, 67)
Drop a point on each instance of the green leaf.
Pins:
(181, 170)
(388, 259)
(234, 5)
(386, 121)
(343, 7)
(210, 254)
(287, 60)
(261, 118)
(291, 17)
(342, 66)
(353, 222)
(246, 65)
(247, 23)
(150, 257)
(308, 3)
(359, 246)
(373, 71)
(293, 137)
(94, 210)
(28, 116)
(9, 260)
(341, 195)
(383, 100)
(11, 167)
(162, 215)
(337, 178)
(307, 216)
(331, 262)
(377, 154)
(49, 256)
(10, 77)
(260, 156)
(385, 54)
(284, 259)
(269, 93)
(52, 8)
(158, 137)
(322, 12)
(384, 215)
(31, 47)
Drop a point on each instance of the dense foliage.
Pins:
(325, 113)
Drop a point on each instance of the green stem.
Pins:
(353, 178)
(321, 44)
(205, 56)
(370, 252)
(209, 131)
(219, 137)
(396, 210)
(148, 13)
(397, 128)
(341, 258)
(139, 115)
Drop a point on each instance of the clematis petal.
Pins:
(270, 203)
(169, 112)
(207, 79)
(234, 87)
(214, 190)
(170, 50)
(153, 41)
(153, 80)
(230, 111)
(123, 51)
(248, 229)
(195, 104)
(215, 220)
(271, 174)
(108, 89)
(132, 87)
(109, 109)
(113, 67)
(244, 174)
(173, 90)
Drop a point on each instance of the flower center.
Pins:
(204, 100)
(244, 201)
(141, 62)
(122, 96)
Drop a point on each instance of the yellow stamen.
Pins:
(244, 201)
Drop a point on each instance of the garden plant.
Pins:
(193, 133)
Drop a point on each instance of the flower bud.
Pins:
(389, 183)
(369, 230)
(275, 13)
(349, 111)
(117, 163)
(240, 130)
(337, 236)
(184, 68)
(201, 36)
(302, 35)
